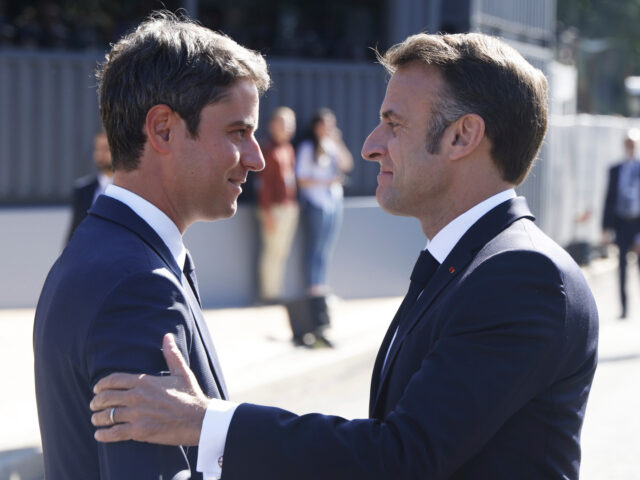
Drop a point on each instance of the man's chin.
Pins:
(221, 213)
(389, 205)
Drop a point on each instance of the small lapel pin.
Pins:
(452, 269)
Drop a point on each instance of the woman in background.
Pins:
(321, 164)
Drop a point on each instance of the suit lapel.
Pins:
(115, 211)
(382, 353)
(203, 330)
(480, 233)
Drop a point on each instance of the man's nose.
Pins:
(252, 157)
(373, 146)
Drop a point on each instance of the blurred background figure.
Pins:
(277, 203)
(87, 189)
(621, 219)
(322, 162)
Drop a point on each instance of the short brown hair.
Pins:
(168, 60)
(485, 76)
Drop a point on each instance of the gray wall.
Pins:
(373, 257)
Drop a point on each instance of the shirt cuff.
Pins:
(213, 437)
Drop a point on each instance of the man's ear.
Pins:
(159, 126)
(464, 136)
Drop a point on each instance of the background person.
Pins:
(322, 162)
(87, 189)
(621, 219)
(277, 203)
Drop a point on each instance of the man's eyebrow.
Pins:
(388, 114)
(241, 123)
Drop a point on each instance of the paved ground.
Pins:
(262, 366)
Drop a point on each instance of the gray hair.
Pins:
(485, 76)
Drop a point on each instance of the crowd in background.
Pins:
(309, 180)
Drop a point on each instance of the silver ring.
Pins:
(111, 415)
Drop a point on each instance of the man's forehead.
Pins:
(410, 85)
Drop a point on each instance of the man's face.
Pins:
(101, 153)
(211, 167)
(411, 181)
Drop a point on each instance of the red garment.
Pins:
(278, 179)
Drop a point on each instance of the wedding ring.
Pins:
(111, 416)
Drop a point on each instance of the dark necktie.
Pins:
(190, 273)
(423, 270)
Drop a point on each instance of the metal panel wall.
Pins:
(49, 114)
(580, 149)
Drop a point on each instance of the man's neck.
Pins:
(150, 189)
(458, 204)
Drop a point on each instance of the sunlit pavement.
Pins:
(261, 365)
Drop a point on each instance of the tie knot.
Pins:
(424, 268)
(188, 264)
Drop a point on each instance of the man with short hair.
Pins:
(486, 368)
(621, 218)
(179, 104)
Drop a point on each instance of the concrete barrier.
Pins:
(374, 254)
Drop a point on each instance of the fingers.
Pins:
(117, 381)
(102, 418)
(117, 433)
(175, 361)
(111, 398)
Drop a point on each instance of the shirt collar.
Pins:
(446, 239)
(156, 218)
(104, 180)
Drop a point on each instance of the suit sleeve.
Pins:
(500, 347)
(126, 336)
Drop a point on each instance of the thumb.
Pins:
(175, 361)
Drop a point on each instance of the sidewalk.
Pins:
(261, 365)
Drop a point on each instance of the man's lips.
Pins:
(238, 181)
(384, 173)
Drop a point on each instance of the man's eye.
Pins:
(239, 134)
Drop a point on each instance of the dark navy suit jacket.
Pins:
(105, 306)
(490, 381)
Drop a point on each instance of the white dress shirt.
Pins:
(215, 425)
(156, 218)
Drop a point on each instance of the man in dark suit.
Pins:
(179, 104)
(621, 219)
(485, 371)
(87, 189)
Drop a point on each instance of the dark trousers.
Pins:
(626, 232)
